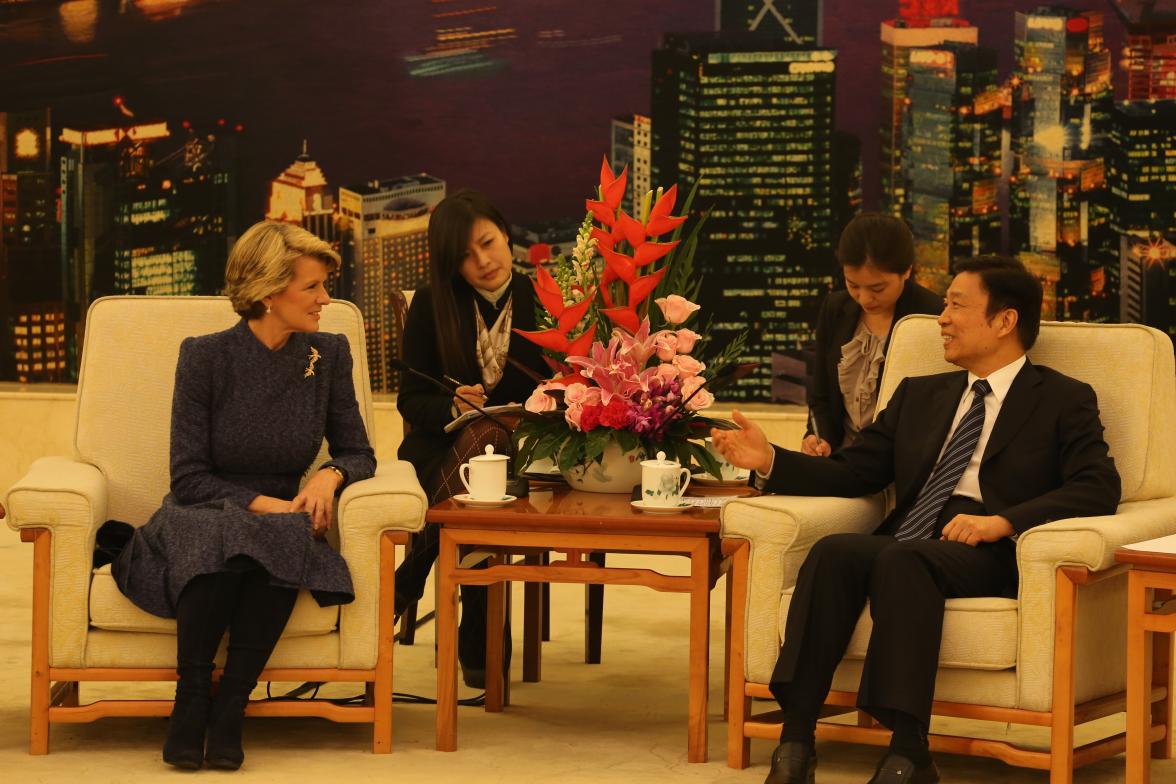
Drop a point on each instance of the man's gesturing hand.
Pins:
(747, 447)
(973, 529)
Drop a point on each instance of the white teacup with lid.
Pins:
(485, 476)
(663, 481)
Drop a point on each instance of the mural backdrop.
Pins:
(138, 138)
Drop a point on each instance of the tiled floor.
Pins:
(620, 721)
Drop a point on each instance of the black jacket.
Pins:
(835, 327)
(425, 408)
(1045, 459)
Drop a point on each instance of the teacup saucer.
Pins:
(642, 506)
(483, 503)
(706, 480)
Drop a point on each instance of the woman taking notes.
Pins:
(876, 253)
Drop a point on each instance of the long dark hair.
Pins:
(449, 238)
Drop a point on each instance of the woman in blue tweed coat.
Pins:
(237, 537)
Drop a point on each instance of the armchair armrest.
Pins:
(392, 500)
(67, 497)
(1090, 542)
(781, 530)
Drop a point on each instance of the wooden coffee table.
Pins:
(575, 524)
(1150, 582)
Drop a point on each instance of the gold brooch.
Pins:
(314, 357)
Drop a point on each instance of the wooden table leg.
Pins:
(532, 626)
(494, 622)
(446, 645)
(1162, 678)
(1138, 682)
(593, 614)
(699, 651)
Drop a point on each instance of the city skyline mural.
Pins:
(138, 138)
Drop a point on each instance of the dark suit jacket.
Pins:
(425, 407)
(1045, 459)
(835, 327)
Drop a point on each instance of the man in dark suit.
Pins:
(977, 457)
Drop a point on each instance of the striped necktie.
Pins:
(921, 518)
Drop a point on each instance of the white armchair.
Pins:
(1056, 655)
(83, 627)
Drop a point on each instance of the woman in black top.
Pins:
(877, 254)
(237, 536)
(461, 326)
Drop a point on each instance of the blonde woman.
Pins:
(236, 537)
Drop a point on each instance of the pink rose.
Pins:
(573, 415)
(667, 345)
(686, 340)
(581, 395)
(703, 399)
(688, 366)
(676, 308)
(539, 401)
(667, 371)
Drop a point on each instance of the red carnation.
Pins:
(615, 414)
(590, 417)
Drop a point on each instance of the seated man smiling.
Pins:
(976, 456)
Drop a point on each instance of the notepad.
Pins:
(470, 416)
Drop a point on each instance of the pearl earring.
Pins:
(267, 309)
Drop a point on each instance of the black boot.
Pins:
(184, 746)
(226, 720)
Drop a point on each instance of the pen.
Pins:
(813, 425)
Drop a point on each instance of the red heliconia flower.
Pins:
(631, 228)
(573, 314)
(660, 221)
(551, 339)
(626, 318)
(644, 286)
(601, 212)
(652, 251)
(547, 290)
(612, 189)
(603, 238)
(580, 346)
(622, 266)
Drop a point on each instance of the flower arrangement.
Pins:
(641, 386)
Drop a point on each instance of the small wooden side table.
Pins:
(1151, 582)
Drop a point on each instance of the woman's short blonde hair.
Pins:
(261, 263)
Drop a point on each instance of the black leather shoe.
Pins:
(225, 724)
(184, 747)
(793, 762)
(897, 769)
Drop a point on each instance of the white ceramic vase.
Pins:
(616, 472)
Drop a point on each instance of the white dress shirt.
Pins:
(1000, 381)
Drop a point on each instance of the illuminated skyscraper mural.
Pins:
(384, 233)
(1141, 173)
(630, 146)
(1059, 211)
(918, 25)
(32, 336)
(951, 157)
(750, 119)
(796, 21)
(1149, 56)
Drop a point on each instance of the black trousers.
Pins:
(906, 584)
(241, 601)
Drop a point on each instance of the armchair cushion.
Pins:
(112, 611)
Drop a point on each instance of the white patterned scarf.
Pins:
(493, 344)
